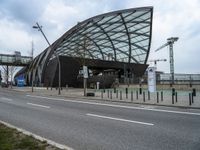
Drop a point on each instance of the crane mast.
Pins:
(170, 42)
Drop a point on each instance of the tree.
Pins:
(7, 73)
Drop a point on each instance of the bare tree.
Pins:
(4, 73)
(8, 73)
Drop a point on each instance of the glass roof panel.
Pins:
(117, 32)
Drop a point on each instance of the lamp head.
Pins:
(35, 27)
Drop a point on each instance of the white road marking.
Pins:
(117, 106)
(38, 105)
(6, 99)
(120, 119)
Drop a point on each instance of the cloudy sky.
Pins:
(180, 18)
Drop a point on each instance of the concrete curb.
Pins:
(50, 142)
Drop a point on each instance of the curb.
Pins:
(50, 142)
(126, 102)
(109, 100)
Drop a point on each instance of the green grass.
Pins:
(11, 139)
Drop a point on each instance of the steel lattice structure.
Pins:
(122, 35)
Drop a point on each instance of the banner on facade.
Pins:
(152, 79)
(20, 81)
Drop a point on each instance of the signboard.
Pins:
(85, 71)
(152, 79)
(20, 81)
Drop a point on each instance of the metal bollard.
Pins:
(140, 91)
(110, 94)
(143, 96)
(194, 92)
(190, 102)
(117, 94)
(161, 94)
(136, 94)
(192, 98)
(172, 98)
(114, 90)
(157, 97)
(173, 91)
(120, 95)
(176, 97)
(131, 95)
(101, 94)
(148, 95)
(126, 93)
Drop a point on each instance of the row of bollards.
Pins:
(119, 94)
(159, 95)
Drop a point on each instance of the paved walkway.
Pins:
(161, 97)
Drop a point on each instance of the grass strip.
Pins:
(11, 139)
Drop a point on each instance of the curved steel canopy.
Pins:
(123, 35)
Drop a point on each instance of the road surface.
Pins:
(89, 125)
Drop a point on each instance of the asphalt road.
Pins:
(93, 125)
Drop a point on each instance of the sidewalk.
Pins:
(162, 98)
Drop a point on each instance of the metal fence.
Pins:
(179, 79)
(165, 78)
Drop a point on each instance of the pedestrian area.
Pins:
(179, 98)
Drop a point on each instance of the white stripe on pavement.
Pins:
(6, 99)
(117, 106)
(38, 105)
(120, 119)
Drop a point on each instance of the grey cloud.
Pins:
(22, 10)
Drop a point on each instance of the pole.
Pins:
(157, 97)
(40, 29)
(7, 75)
(59, 67)
(59, 73)
(171, 55)
(84, 85)
(190, 102)
(32, 85)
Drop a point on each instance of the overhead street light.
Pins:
(37, 26)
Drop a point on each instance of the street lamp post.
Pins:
(56, 55)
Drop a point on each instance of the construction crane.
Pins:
(156, 60)
(170, 42)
